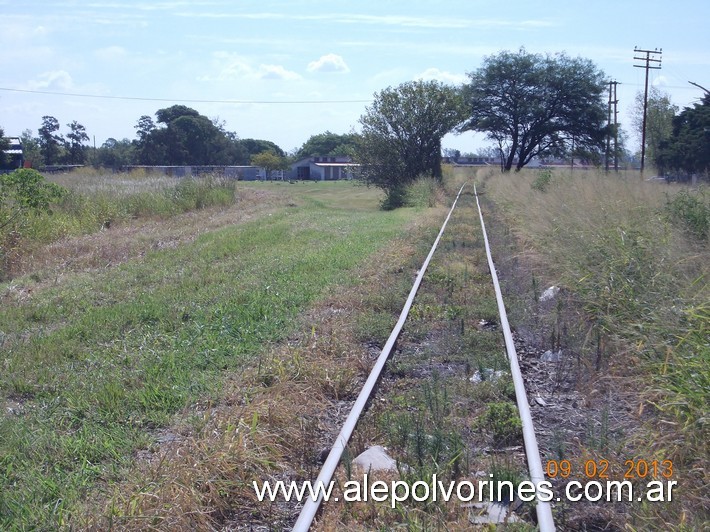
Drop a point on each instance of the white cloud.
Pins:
(55, 79)
(235, 67)
(276, 72)
(328, 63)
(660, 81)
(441, 75)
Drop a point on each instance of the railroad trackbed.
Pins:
(443, 414)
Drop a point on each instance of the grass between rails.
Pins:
(427, 412)
(633, 258)
(93, 367)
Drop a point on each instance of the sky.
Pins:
(286, 70)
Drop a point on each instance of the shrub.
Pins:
(542, 181)
(503, 421)
(692, 211)
(24, 194)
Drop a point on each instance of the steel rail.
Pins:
(537, 475)
(308, 512)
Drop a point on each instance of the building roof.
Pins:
(15, 146)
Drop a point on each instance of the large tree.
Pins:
(51, 143)
(256, 146)
(659, 119)
(535, 105)
(328, 144)
(402, 132)
(687, 149)
(185, 138)
(76, 150)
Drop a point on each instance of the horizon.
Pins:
(287, 71)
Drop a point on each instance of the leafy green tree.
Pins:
(537, 105)
(31, 149)
(660, 112)
(402, 132)
(4, 145)
(76, 150)
(185, 138)
(328, 144)
(688, 147)
(116, 153)
(255, 146)
(51, 143)
(269, 161)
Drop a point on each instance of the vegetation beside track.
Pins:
(631, 258)
(97, 364)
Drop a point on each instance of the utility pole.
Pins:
(616, 130)
(648, 60)
(612, 101)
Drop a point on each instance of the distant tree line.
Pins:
(529, 105)
(179, 135)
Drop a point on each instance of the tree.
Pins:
(186, 138)
(31, 150)
(328, 144)
(533, 105)
(687, 149)
(4, 145)
(269, 161)
(116, 153)
(50, 141)
(75, 143)
(255, 146)
(402, 132)
(660, 112)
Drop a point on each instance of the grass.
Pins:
(633, 258)
(427, 412)
(99, 364)
(98, 201)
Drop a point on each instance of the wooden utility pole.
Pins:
(616, 129)
(648, 60)
(612, 129)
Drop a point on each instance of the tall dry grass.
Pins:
(95, 201)
(635, 256)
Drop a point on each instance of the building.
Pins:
(323, 168)
(241, 173)
(14, 157)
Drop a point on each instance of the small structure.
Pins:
(14, 157)
(323, 168)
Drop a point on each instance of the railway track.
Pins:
(532, 456)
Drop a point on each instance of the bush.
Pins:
(24, 194)
(692, 211)
(542, 181)
(503, 421)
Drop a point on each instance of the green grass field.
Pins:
(95, 365)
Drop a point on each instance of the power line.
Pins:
(183, 100)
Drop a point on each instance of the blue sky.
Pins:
(252, 64)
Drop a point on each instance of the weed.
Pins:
(503, 422)
(691, 209)
(542, 181)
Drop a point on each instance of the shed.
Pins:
(323, 168)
